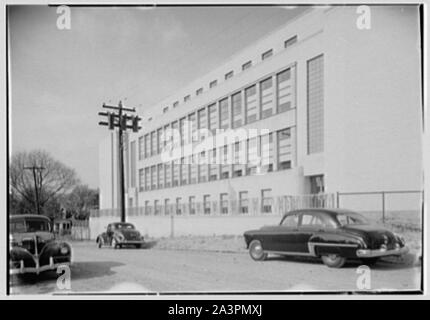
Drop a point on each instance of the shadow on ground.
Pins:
(46, 281)
(385, 263)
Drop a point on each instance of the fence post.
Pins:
(337, 199)
(172, 229)
(383, 207)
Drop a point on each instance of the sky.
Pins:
(59, 79)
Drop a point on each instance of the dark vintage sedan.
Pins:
(120, 234)
(33, 248)
(334, 235)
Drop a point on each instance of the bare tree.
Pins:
(80, 201)
(54, 180)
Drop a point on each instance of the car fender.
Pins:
(335, 242)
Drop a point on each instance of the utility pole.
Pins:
(120, 120)
(34, 168)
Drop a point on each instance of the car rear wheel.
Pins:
(99, 243)
(333, 260)
(256, 251)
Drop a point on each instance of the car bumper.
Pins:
(38, 269)
(131, 242)
(367, 253)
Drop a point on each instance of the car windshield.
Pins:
(349, 218)
(28, 225)
(124, 226)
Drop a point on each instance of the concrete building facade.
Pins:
(333, 104)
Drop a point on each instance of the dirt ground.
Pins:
(214, 264)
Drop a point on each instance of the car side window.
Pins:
(311, 220)
(291, 221)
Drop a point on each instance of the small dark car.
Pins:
(33, 248)
(334, 235)
(120, 234)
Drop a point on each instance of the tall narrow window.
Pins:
(267, 152)
(160, 176)
(178, 206)
(141, 148)
(315, 88)
(193, 169)
(251, 104)
(199, 91)
(168, 174)
(243, 201)
(156, 207)
(192, 204)
(202, 124)
(223, 111)
(223, 199)
(153, 143)
(176, 139)
(187, 98)
(203, 167)
(176, 174)
(213, 117)
(182, 131)
(266, 97)
(285, 90)
(185, 171)
(284, 149)
(236, 109)
(133, 164)
(159, 140)
(175, 104)
(238, 158)
(147, 207)
(147, 145)
(225, 163)
(214, 166)
(253, 158)
(166, 207)
(266, 200)
(207, 204)
(147, 179)
(153, 177)
(141, 180)
(165, 109)
(193, 124)
(166, 138)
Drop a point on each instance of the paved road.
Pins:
(155, 270)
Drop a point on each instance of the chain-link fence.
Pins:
(250, 206)
(393, 207)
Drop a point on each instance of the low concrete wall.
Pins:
(164, 226)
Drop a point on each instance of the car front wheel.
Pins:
(115, 244)
(256, 251)
(333, 260)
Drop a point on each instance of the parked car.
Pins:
(335, 235)
(120, 234)
(33, 248)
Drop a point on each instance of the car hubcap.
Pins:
(257, 250)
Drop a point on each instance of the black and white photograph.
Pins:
(198, 148)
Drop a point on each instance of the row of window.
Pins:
(247, 157)
(287, 43)
(222, 205)
(241, 108)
